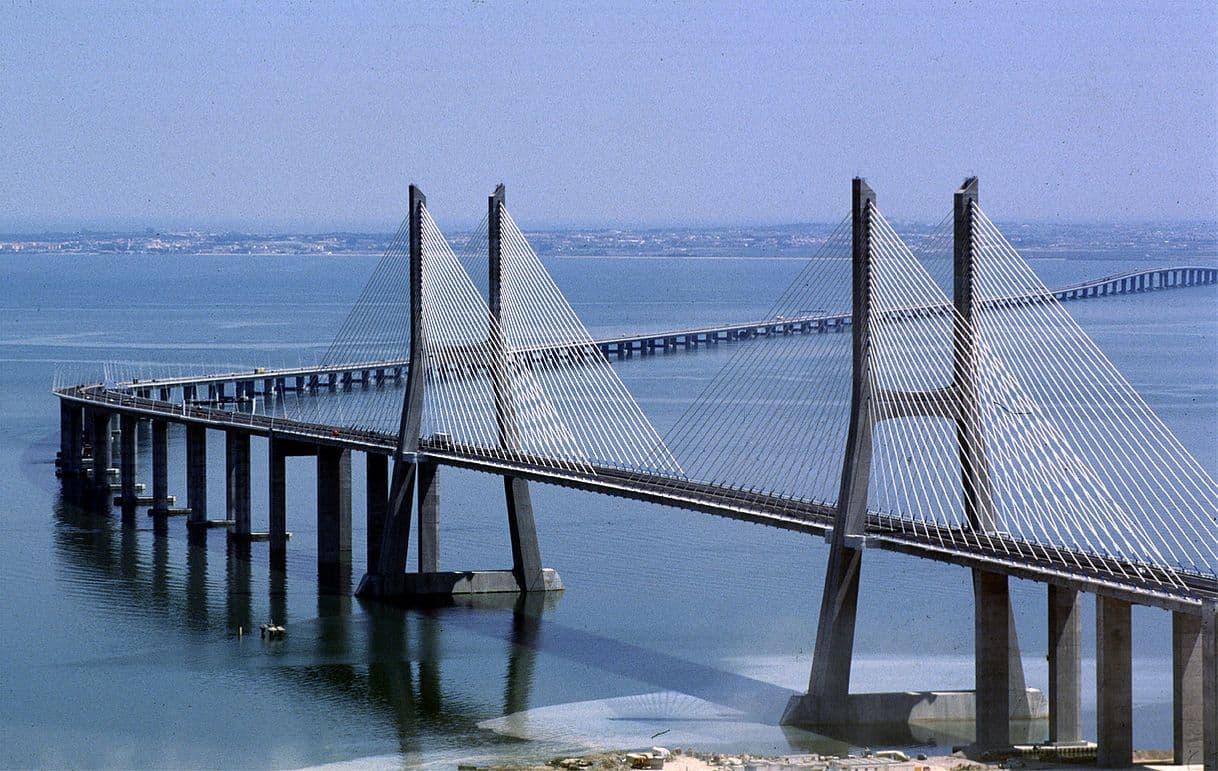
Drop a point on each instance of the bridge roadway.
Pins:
(1139, 584)
(333, 376)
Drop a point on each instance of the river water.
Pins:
(121, 649)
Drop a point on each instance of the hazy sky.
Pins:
(318, 116)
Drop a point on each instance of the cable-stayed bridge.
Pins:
(966, 418)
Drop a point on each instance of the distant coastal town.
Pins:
(1196, 240)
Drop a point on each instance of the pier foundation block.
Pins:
(427, 588)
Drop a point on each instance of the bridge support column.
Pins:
(827, 700)
(71, 429)
(127, 441)
(1113, 683)
(526, 556)
(333, 510)
(237, 483)
(102, 448)
(992, 639)
(1209, 685)
(160, 476)
(277, 514)
(429, 517)
(1065, 665)
(196, 474)
(1188, 697)
(376, 486)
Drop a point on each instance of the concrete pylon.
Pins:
(522, 529)
(395, 537)
(414, 469)
(1000, 691)
(996, 645)
(829, 682)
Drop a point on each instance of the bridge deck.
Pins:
(1141, 584)
(1000, 553)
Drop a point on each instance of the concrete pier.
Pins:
(127, 445)
(1065, 665)
(196, 474)
(992, 637)
(1188, 734)
(277, 508)
(1209, 683)
(277, 453)
(100, 422)
(377, 505)
(71, 433)
(333, 508)
(160, 476)
(526, 555)
(1113, 684)
(429, 518)
(237, 483)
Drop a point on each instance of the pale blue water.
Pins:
(121, 649)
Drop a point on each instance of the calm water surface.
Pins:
(121, 649)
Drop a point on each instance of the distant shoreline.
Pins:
(1190, 241)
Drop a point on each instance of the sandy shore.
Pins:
(690, 760)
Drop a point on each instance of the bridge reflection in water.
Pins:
(391, 659)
